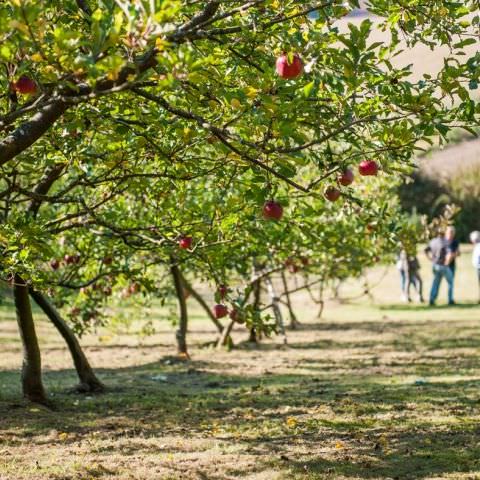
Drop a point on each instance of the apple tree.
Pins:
(115, 113)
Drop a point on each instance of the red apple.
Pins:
(220, 311)
(368, 167)
(107, 291)
(236, 316)
(346, 178)
(272, 210)
(293, 268)
(289, 70)
(332, 194)
(25, 85)
(185, 243)
(54, 264)
(107, 260)
(305, 261)
(222, 291)
(134, 288)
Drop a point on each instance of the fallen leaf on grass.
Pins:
(291, 422)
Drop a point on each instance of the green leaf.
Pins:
(307, 89)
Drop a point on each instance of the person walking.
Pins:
(409, 268)
(475, 239)
(438, 252)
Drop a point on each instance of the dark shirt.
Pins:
(438, 249)
(452, 247)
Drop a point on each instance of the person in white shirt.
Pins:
(475, 239)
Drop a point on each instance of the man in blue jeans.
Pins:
(440, 253)
(453, 247)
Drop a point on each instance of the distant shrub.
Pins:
(429, 196)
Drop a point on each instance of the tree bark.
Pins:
(32, 364)
(88, 380)
(181, 334)
(257, 294)
(225, 339)
(321, 302)
(29, 132)
(276, 307)
(202, 303)
(293, 318)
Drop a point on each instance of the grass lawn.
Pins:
(370, 391)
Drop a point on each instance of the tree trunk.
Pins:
(202, 303)
(88, 380)
(225, 339)
(276, 307)
(181, 334)
(257, 293)
(293, 318)
(321, 302)
(32, 365)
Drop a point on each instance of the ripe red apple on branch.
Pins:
(332, 194)
(220, 311)
(134, 288)
(185, 243)
(25, 85)
(272, 210)
(222, 291)
(368, 168)
(288, 70)
(54, 264)
(292, 267)
(346, 178)
(71, 259)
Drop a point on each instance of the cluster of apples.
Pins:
(220, 310)
(365, 168)
(132, 289)
(272, 210)
(55, 264)
(68, 259)
(102, 286)
(289, 67)
(24, 85)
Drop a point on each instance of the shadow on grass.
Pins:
(412, 414)
(384, 429)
